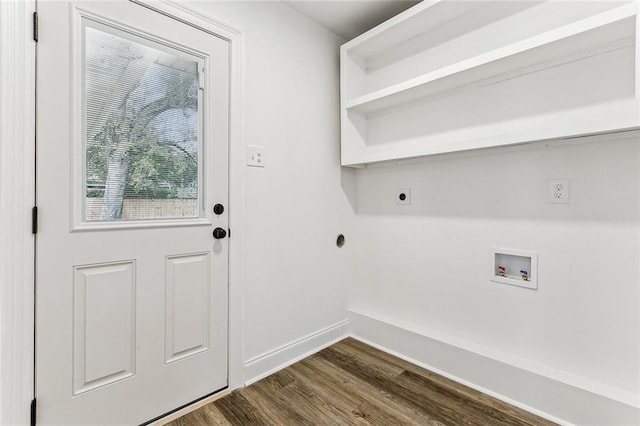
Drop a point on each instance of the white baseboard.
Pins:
(268, 363)
(540, 394)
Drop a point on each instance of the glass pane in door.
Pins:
(142, 129)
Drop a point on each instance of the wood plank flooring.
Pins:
(351, 383)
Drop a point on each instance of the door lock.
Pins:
(219, 233)
(218, 209)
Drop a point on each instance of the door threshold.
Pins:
(187, 408)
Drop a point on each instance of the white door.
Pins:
(132, 158)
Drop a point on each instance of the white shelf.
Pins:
(383, 123)
(408, 25)
(607, 31)
(589, 121)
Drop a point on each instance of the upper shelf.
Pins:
(603, 32)
(428, 24)
(448, 75)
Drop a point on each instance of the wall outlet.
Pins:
(255, 156)
(559, 191)
(403, 196)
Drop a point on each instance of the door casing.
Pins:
(17, 197)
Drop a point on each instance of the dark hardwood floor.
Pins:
(351, 383)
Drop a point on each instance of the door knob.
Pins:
(219, 233)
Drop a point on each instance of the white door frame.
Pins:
(17, 183)
(17, 197)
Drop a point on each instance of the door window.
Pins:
(142, 129)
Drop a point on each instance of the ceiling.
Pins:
(349, 18)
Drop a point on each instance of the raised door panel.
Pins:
(187, 305)
(103, 324)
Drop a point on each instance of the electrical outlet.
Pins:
(403, 196)
(559, 191)
(255, 156)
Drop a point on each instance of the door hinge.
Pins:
(33, 412)
(35, 26)
(34, 220)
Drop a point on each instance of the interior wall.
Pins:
(294, 275)
(427, 264)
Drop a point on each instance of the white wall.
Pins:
(294, 275)
(428, 264)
